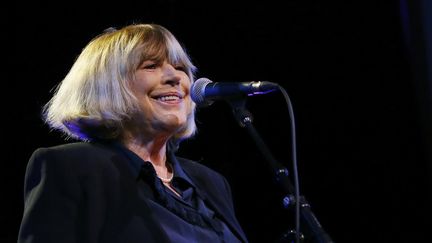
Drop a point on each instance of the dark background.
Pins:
(358, 75)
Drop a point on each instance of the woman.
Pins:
(127, 98)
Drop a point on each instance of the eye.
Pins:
(181, 68)
(149, 65)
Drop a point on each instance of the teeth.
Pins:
(168, 98)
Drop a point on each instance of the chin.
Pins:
(172, 124)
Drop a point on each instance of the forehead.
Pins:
(163, 49)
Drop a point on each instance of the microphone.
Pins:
(204, 91)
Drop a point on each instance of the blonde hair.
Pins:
(94, 100)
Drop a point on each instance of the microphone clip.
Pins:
(241, 114)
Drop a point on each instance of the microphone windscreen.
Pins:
(197, 91)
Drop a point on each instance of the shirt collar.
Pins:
(178, 170)
(135, 163)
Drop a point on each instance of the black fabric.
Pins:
(185, 218)
(87, 193)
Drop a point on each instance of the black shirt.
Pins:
(186, 218)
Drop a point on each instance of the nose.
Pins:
(171, 75)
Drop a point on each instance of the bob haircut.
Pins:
(94, 101)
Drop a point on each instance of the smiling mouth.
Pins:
(168, 98)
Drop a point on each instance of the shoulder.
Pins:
(81, 148)
(74, 164)
(79, 151)
(73, 157)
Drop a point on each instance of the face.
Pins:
(162, 90)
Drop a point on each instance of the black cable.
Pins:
(313, 228)
(294, 162)
(244, 118)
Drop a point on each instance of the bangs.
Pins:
(176, 55)
(159, 45)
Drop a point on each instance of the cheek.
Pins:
(141, 84)
(190, 107)
(186, 83)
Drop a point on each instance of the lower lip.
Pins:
(170, 102)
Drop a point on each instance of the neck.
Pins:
(153, 150)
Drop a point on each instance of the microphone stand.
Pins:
(313, 231)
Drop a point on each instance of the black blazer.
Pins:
(86, 193)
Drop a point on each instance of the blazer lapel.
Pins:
(211, 201)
